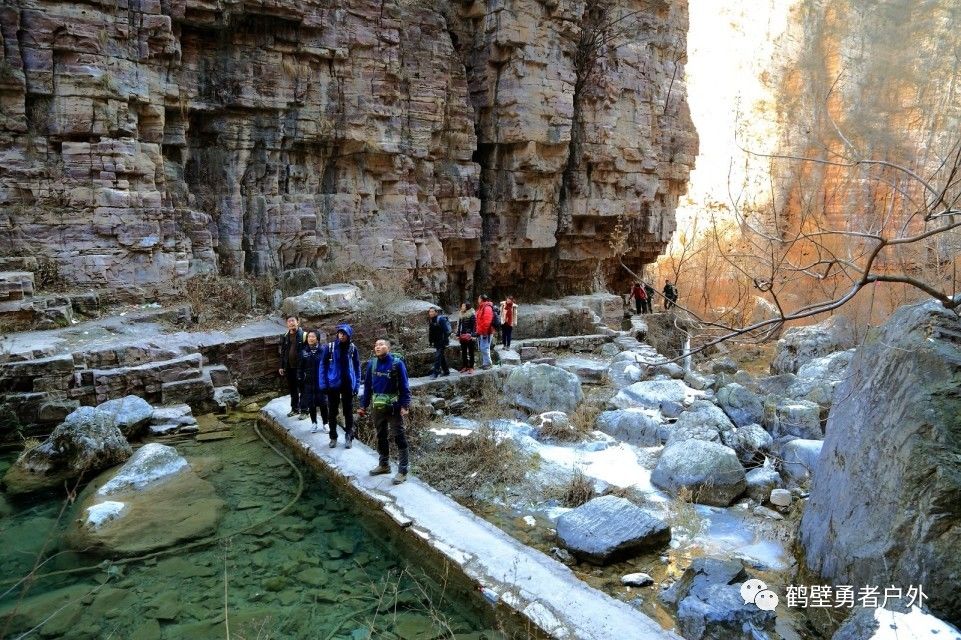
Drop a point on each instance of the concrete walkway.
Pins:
(543, 592)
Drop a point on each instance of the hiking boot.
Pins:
(303, 415)
(446, 373)
(348, 441)
(333, 443)
(380, 470)
(433, 376)
(400, 478)
(292, 413)
(313, 427)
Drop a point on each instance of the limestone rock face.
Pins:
(148, 142)
(885, 504)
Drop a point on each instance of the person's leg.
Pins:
(471, 352)
(507, 332)
(293, 387)
(436, 369)
(322, 406)
(637, 306)
(484, 343)
(400, 439)
(333, 401)
(463, 356)
(442, 352)
(347, 402)
(381, 420)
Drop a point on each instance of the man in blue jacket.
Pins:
(340, 377)
(386, 389)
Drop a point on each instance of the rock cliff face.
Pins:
(147, 141)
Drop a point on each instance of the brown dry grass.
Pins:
(577, 491)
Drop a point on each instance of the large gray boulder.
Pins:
(751, 443)
(761, 481)
(741, 405)
(709, 603)
(800, 345)
(130, 414)
(795, 418)
(703, 420)
(324, 301)
(543, 387)
(652, 394)
(885, 504)
(610, 528)
(799, 459)
(86, 442)
(710, 471)
(634, 426)
(818, 379)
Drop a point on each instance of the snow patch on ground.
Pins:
(151, 462)
(914, 625)
(104, 512)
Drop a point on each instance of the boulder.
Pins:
(751, 443)
(610, 528)
(710, 471)
(155, 500)
(227, 397)
(671, 370)
(634, 426)
(740, 404)
(799, 459)
(780, 498)
(724, 364)
(721, 614)
(800, 345)
(330, 300)
(130, 414)
(651, 394)
(760, 482)
(637, 580)
(553, 420)
(624, 373)
(294, 282)
(818, 379)
(703, 573)
(542, 387)
(588, 370)
(86, 442)
(889, 477)
(698, 381)
(897, 621)
(702, 421)
(508, 357)
(796, 418)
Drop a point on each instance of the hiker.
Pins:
(438, 336)
(387, 392)
(311, 394)
(649, 303)
(640, 298)
(485, 329)
(290, 347)
(340, 364)
(508, 320)
(670, 295)
(466, 329)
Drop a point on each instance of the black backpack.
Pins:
(496, 318)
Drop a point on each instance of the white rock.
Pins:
(637, 580)
(103, 512)
(151, 463)
(780, 497)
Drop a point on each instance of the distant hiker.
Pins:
(640, 298)
(340, 364)
(387, 390)
(290, 347)
(670, 295)
(485, 329)
(466, 329)
(649, 304)
(438, 336)
(311, 395)
(508, 320)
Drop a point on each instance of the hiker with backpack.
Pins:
(649, 303)
(290, 347)
(508, 316)
(340, 378)
(387, 392)
(311, 395)
(670, 295)
(487, 318)
(466, 329)
(438, 336)
(639, 295)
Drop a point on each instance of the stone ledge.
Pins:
(527, 589)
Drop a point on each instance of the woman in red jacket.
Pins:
(485, 329)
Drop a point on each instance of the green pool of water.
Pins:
(313, 572)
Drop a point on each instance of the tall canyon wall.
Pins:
(459, 144)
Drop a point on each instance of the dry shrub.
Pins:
(468, 468)
(222, 300)
(577, 491)
(488, 401)
(47, 277)
(682, 514)
(29, 444)
(582, 423)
